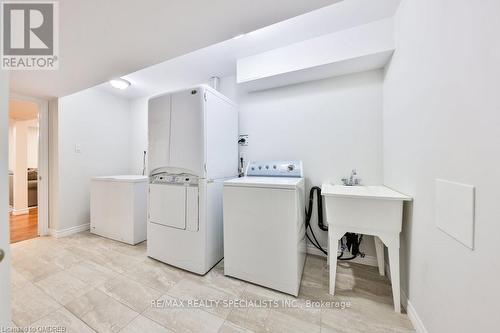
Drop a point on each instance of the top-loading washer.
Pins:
(264, 228)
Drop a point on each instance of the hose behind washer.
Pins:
(321, 225)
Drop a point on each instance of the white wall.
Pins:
(12, 154)
(139, 113)
(33, 144)
(442, 120)
(332, 125)
(20, 190)
(5, 316)
(53, 164)
(100, 126)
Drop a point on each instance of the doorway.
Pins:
(27, 168)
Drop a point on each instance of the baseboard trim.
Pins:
(20, 211)
(414, 318)
(69, 231)
(418, 324)
(367, 260)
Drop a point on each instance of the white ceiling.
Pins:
(220, 59)
(100, 40)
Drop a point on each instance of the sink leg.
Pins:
(333, 241)
(333, 273)
(329, 247)
(394, 264)
(379, 248)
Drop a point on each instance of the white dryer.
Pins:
(264, 228)
(193, 148)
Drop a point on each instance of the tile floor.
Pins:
(88, 283)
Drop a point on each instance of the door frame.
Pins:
(5, 287)
(43, 160)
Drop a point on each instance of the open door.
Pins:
(28, 167)
(5, 315)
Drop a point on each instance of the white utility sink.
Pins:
(376, 208)
(369, 210)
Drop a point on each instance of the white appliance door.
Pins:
(167, 205)
(159, 132)
(187, 144)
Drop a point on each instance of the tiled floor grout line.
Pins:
(81, 319)
(55, 310)
(78, 317)
(152, 319)
(128, 323)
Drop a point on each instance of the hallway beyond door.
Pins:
(23, 227)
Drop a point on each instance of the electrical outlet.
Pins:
(243, 140)
(78, 149)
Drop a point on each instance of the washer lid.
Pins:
(123, 178)
(266, 182)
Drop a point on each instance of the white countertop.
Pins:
(363, 192)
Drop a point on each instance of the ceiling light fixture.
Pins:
(119, 84)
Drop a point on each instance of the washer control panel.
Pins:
(168, 178)
(274, 169)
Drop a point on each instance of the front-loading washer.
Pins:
(264, 227)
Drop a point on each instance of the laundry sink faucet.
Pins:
(353, 179)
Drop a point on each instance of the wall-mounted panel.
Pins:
(454, 210)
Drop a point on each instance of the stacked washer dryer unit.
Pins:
(193, 148)
(264, 228)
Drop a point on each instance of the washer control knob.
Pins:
(290, 167)
(267, 166)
